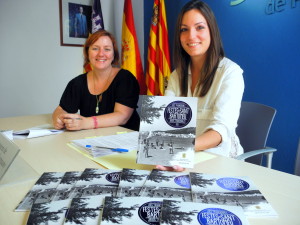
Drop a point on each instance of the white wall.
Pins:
(34, 68)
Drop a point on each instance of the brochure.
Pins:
(167, 131)
(97, 182)
(166, 184)
(131, 211)
(185, 213)
(86, 210)
(42, 191)
(230, 190)
(66, 185)
(50, 213)
(131, 182)
(39, 131)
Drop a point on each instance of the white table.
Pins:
(51, 153)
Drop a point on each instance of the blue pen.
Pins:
(113, 149)
(120, 150)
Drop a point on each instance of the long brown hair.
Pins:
(92, 39)
(215, 51)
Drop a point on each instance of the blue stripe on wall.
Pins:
(267, 47)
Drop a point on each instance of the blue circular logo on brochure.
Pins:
(217, 216)
(113, 177)
(233, 184)
(183, 181)
(178, 114)
(149, 212)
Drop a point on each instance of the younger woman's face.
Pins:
(194, 34)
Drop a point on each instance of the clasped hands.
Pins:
(69, 121)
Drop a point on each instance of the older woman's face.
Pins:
(194, 33)
(101, 53)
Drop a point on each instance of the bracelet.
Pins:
(95, 122)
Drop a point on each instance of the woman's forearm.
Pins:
(208, 139)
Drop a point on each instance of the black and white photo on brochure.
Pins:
(167, 130)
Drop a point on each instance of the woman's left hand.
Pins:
(73, 121)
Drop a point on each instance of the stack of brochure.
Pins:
(108, 145)
(129, 196)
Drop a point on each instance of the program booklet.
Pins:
(42, 191)
(167, 131)
(166, 184)
(86, 210)
(131, 182)
(199, 213)
(66, 185)
(230, 190)
(50, 213)
(97, 182)
(131, 211)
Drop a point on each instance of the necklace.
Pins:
(99, 97)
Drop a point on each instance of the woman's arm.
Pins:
(120, 116)
(208, 139)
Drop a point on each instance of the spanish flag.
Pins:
(158, 62)
(131, 59)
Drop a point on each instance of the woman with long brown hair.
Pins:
(203, 71)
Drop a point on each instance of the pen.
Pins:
(77, 118)
(113, 149)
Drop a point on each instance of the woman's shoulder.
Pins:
(79, 78)
(125, 74)
(227, 66)
(227, 63)
(78, 81)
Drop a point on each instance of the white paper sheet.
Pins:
(38, 131)
(127, 141)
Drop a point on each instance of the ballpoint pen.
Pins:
(112, 149)
(77, 118)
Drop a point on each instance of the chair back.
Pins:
(297, 162)
(253, 128)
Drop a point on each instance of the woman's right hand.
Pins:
(58, 123)
(57, 118)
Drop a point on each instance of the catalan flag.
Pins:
(158, 62)
(131, 59)
(97, 24)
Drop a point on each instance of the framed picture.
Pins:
(75, 21)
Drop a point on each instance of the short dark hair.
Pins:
(92, 39)
(215, 51)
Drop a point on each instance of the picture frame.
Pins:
(75, 21)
